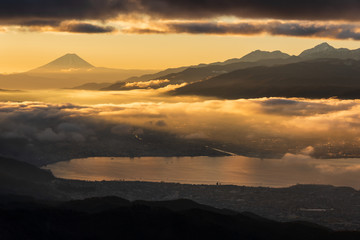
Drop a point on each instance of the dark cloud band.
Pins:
(28, 10)
(55, 13)
(334, 31)
(18, 10)
(86, 28)
(276, 9)
(170, 9)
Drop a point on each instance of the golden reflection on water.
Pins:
(237, 170)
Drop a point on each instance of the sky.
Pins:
(157, 34)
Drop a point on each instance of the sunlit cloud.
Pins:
(147, 84)
(246, 125)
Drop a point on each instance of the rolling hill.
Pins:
(24, 179)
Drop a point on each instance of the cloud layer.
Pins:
(276, 9)
(298, 29)
(54, 14)
(143, 122)
(105, 9)
(85, 28)
(29, 11)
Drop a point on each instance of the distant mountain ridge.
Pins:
(256, 58)
(259, 55)
(251, 57)
(325, 50)
(201, 71)
(318, 78)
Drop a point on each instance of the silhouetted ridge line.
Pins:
(111, 217)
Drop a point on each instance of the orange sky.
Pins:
(22, 51)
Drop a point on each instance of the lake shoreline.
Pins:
(228, 170)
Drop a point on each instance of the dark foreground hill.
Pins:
(21, 171)
(121, 219)
(25, 179)
(321, 78)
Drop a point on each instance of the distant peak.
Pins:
(324, 45)
(71, 54)
(322, 50)
(266, 52)
(258, 55)
(69, 61)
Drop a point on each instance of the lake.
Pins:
(236, 170)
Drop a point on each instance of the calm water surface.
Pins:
(237, 170)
